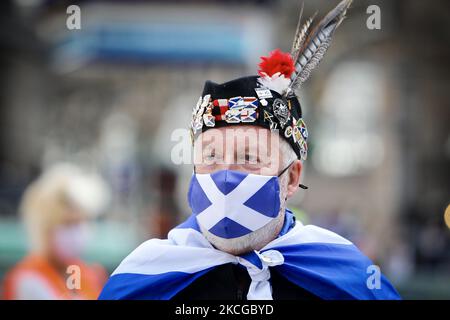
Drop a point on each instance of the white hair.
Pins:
(288, 153)
(255, 240)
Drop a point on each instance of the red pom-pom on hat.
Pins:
(277, 61)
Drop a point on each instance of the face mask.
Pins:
(231, 204)
(70, 241)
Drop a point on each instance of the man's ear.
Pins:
(294, 178)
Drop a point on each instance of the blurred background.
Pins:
(107, 97)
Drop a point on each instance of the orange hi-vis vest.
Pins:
(91, 279)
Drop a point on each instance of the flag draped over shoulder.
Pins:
(316, 259)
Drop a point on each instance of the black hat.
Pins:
(246, 101)
(268, 99)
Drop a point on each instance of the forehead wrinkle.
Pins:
(234, 137)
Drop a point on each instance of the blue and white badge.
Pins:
(231, 204)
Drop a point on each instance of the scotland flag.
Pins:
(231, 204)
(313, 258)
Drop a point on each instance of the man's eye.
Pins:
(210, 156)
(251, 158)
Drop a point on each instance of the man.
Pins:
(241, 241)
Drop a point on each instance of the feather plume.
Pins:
(312, 49)
(301, 33)
(304, 33)
(298, 30)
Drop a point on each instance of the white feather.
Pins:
(277, 82)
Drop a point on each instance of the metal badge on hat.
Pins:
(197, 113)
(208, 118)
(241, 109)
(263, 93)
(233, 114)
(303, 130)
(281, 111)
(195, 123)
(288, 132)
(296, 130)
(303, 149)
(269, 118)
(248, 113)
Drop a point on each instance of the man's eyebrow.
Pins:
(252, 145)
(209, 145)
(251, 150)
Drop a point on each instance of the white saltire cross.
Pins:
(232, 204)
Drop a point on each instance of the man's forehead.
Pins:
(240, 137)
(242, 132)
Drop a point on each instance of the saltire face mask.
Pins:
(231, 204)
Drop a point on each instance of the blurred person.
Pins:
(241, 241)
(56, 210)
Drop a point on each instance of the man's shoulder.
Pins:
(313, 233)
(176, 251)
(142, 254)
(301, 235)
(312, 240)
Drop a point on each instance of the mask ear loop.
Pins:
(284, 170)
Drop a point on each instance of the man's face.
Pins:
(248, 149)
(242, 148)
